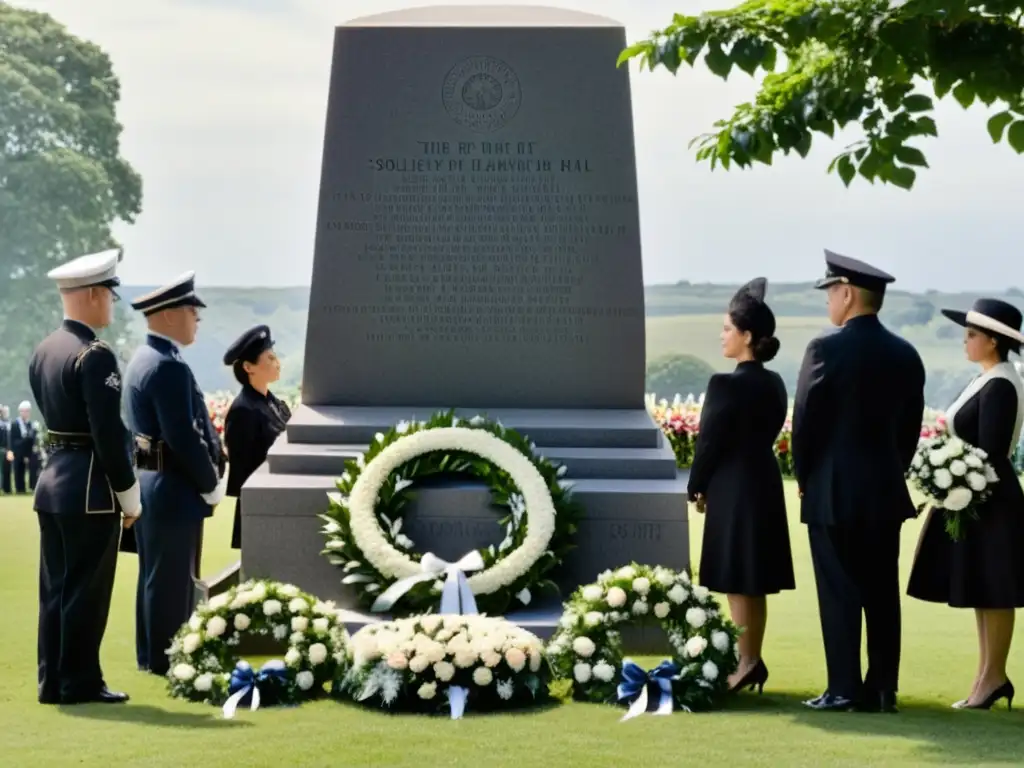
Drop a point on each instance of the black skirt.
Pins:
(984, 569)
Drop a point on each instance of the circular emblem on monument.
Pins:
(481, 93)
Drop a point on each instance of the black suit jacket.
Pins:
(856, 425)
(23, 441)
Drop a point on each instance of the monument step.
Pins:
(287, 458)
(569, 428)
(624, 520)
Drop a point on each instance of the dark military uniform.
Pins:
(181, 465)
(77, 384)
(856, 425)
(253, 421)
(24, 442)
(5, 447)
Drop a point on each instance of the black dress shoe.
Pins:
(830, 702)
(103, 696)
(49, 699)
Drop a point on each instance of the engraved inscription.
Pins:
(482, 242)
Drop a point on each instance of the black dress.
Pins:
(746, 536)
(251, 426)
(985, 568)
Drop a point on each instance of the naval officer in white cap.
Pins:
(87, 484)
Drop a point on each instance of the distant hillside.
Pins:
(682, 318)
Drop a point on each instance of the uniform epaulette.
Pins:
(94, 344)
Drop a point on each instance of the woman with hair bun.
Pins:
(736, 480)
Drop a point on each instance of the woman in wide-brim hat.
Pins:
(983, 570)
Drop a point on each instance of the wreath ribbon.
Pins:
(245, 681)
(456, 595)
(636, 682)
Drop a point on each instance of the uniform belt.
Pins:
(158, 457)
(56, 439)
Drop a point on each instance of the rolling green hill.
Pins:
(682, 318)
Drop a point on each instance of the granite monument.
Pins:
(477, 247)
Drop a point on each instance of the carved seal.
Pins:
(481, 93)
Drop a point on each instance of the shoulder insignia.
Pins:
(94, 344)
(113, 381)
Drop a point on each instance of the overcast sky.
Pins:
(223, 107)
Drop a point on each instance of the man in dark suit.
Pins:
(6, 455)
(856, 425)
(182, 467)
(24, 453)
(86, 485)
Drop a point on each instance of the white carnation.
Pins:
(661, 610)
(582, 672)
(592, 593)
(183, 672)
(958, 468)
(695, 646)
(604, 671)
(976, 481)
(444, 671)
(204, 682)
(427, 691)
(190, 643)
(298, 605)
(664, 576)
(616, 597)
(218, 602)
(419, 663)
(584, 646)
(288, 590)
(696, 617)
(321, 624)
(918, 461)
(293, 657)
(317, 653)
(641, 585)
(305, 680)
(943, 479)
(640, 608)
(990, 474)
(955, 447)
(482, 676)
(720, 640)
(271, 607)
(195, 622)
(709, 670)
(430, 624)
(626, 572)
(242, 623)
(957, 499)
(300, 623)
(701, 593)
(593, 618)
(937, 458)
(678, 594)
(971, 460)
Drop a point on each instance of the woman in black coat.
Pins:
(984, 569)
(256, 417)
(736, 480)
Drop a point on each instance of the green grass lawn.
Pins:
(154, 730)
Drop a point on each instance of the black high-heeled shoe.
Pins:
(755, 678)
(1004, 691)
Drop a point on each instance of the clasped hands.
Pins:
(700, 501)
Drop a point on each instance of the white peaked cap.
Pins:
(92, 269)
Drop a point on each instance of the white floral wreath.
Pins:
(364, 523)
(203, 655)
(426, 663)
(587, 647)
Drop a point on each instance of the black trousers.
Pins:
(77, 562)
(5, 473)
(25, 464)
(856, 569)
(169, 552)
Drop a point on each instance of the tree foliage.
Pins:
(63, 182)
(851, 61)
(678, 374)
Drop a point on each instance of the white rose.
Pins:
(616, 597)
(427, 691)
(696, 617)
(293, 657)
(305, 680)
(937, 458)
(626, 572)
(581, 672)
(300, 624)
(943, 479)
(298, 605)
(296, 638)
(444, 671)
(709, 670)
(592, 593)
(678, 594)
(695, 646)
(584, 646)
(321, 624)
(482, 676)
(271, 607)
(958, 468)
(216, 626)
(664, 576)
(242, 623)
(604, 671)
(641, 585)
(195, 622)
(990, 474)
(640, 608)
(190, 643)
(183, 672)
(701, 593)
(918, 461)
(317, 653)
(955, 447)
(593, 618)
(288, 590)
(218, 602)
(661, 610)
(204, 682)
(976, 481)
(720, 640)
(957, 499)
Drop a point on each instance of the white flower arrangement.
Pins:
(587, 647)
(956, 478)
(411, 664)
(203, 653)
(364, 524)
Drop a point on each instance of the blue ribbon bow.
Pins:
(245, 684)
(636, 681)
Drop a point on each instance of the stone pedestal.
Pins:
(477, 247)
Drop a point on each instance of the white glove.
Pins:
(131, 500)
(214, 497)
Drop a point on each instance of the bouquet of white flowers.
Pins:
(955, 476)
